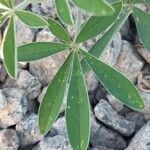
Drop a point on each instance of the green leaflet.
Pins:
(95, 7)
(30, 19)
(77, 112)
(58, 31)
(106, 39)
(10, 50)
(142, 21)
(9, 3)
(4, 3)
(38, 50)
(96, 25)
(117, 84)
(63, 11)
(52, 101)
(2, 19)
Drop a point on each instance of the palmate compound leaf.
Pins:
(39, 50)
(142, 20)
(96, 25)
(9, 49)
(52, 101)
(95, 7)
(117, 84)
(58, 30)
(106, 39)
(63, 11)
(78, 109)
(30, 19)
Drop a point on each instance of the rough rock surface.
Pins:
(112, 52)
(118, 106)
(141, 141)
(105, 113)
(13, 108)
(143, 52)
(129, 61)
(27, 82)
(102, 136)
(114, 126)
(146, 110)
(100, 148)
(24, 33)
(2, 73)
(57, 142)
(91, 81)
(9, 140)
(46, 68)
(28, 130)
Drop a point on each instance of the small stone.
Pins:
(28, 130)
(129, 62)
(141, 141)
(48, 8)
(137, 118)
(24, 33)
(53, 143)
(25, 81)
(105, 113)
(117, 105)
(15, 107)
(91, 81)
(146, 110)
(9, 140)
(101, 92)
(45, 69)
(3, 101)
(100, 148)
(45, 36)
(144, 82)
(3, 73)
(143, 52)
(102, 136)
(111, 53)
(60, 127)
(29, 83)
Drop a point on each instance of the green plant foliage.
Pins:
(3, 18)
(95, 7)
(38, 50)
(54, 96)
(106, 39)
(115, 82)
(58, 31)
(106, 20)
(10, 50)
(63, 11)
(6, 3)
(31, 19)
(78, 108)
(9, 12)
(142, 20)
(95, 26)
